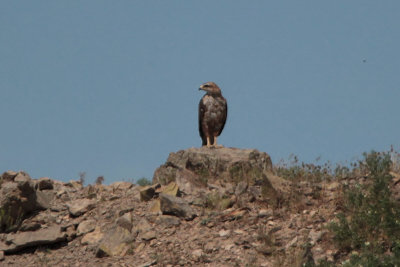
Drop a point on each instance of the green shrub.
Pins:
(143, 181)
(369, 225)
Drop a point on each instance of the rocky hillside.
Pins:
(206, 207)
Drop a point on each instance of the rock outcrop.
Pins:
(202, 165)
(21, 240)
(18, 199)
(240, 170)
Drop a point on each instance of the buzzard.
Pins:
(213, 111)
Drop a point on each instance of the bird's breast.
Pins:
(212, 103)
(213, 108)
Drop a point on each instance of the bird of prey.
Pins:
(213, 111)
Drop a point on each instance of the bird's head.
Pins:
(211, 88)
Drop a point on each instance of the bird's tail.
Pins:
(204, 141)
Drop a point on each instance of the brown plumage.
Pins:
(213, 111)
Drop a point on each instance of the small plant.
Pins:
(215, 201)
(370, 221)
(237, 173)
(295, 171)
(205, 221)
(91, 192)
(99, 180)
(8, 220)
(210, 218)
(395, 158)
(267, 239)
(82, 177)
(342, 172)
(204, 175)
(244, 172)
(143, 181)
(264, 236)
(43, 260)
(251, 262)
(325, 263)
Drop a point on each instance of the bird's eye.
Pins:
(206, 85)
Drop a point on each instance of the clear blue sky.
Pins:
(110, 87)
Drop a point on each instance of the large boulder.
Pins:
(115, 242)
(246, 169)
(80, 206)
(171, 205)
(21, 240)
(18, 198)
(206, 165)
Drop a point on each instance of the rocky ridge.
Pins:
(206, 207)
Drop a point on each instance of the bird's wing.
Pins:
(202, 110)
(224, 115)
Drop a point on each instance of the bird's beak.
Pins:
(201, 87)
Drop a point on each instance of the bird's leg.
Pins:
(209, 145)
(215, 143)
